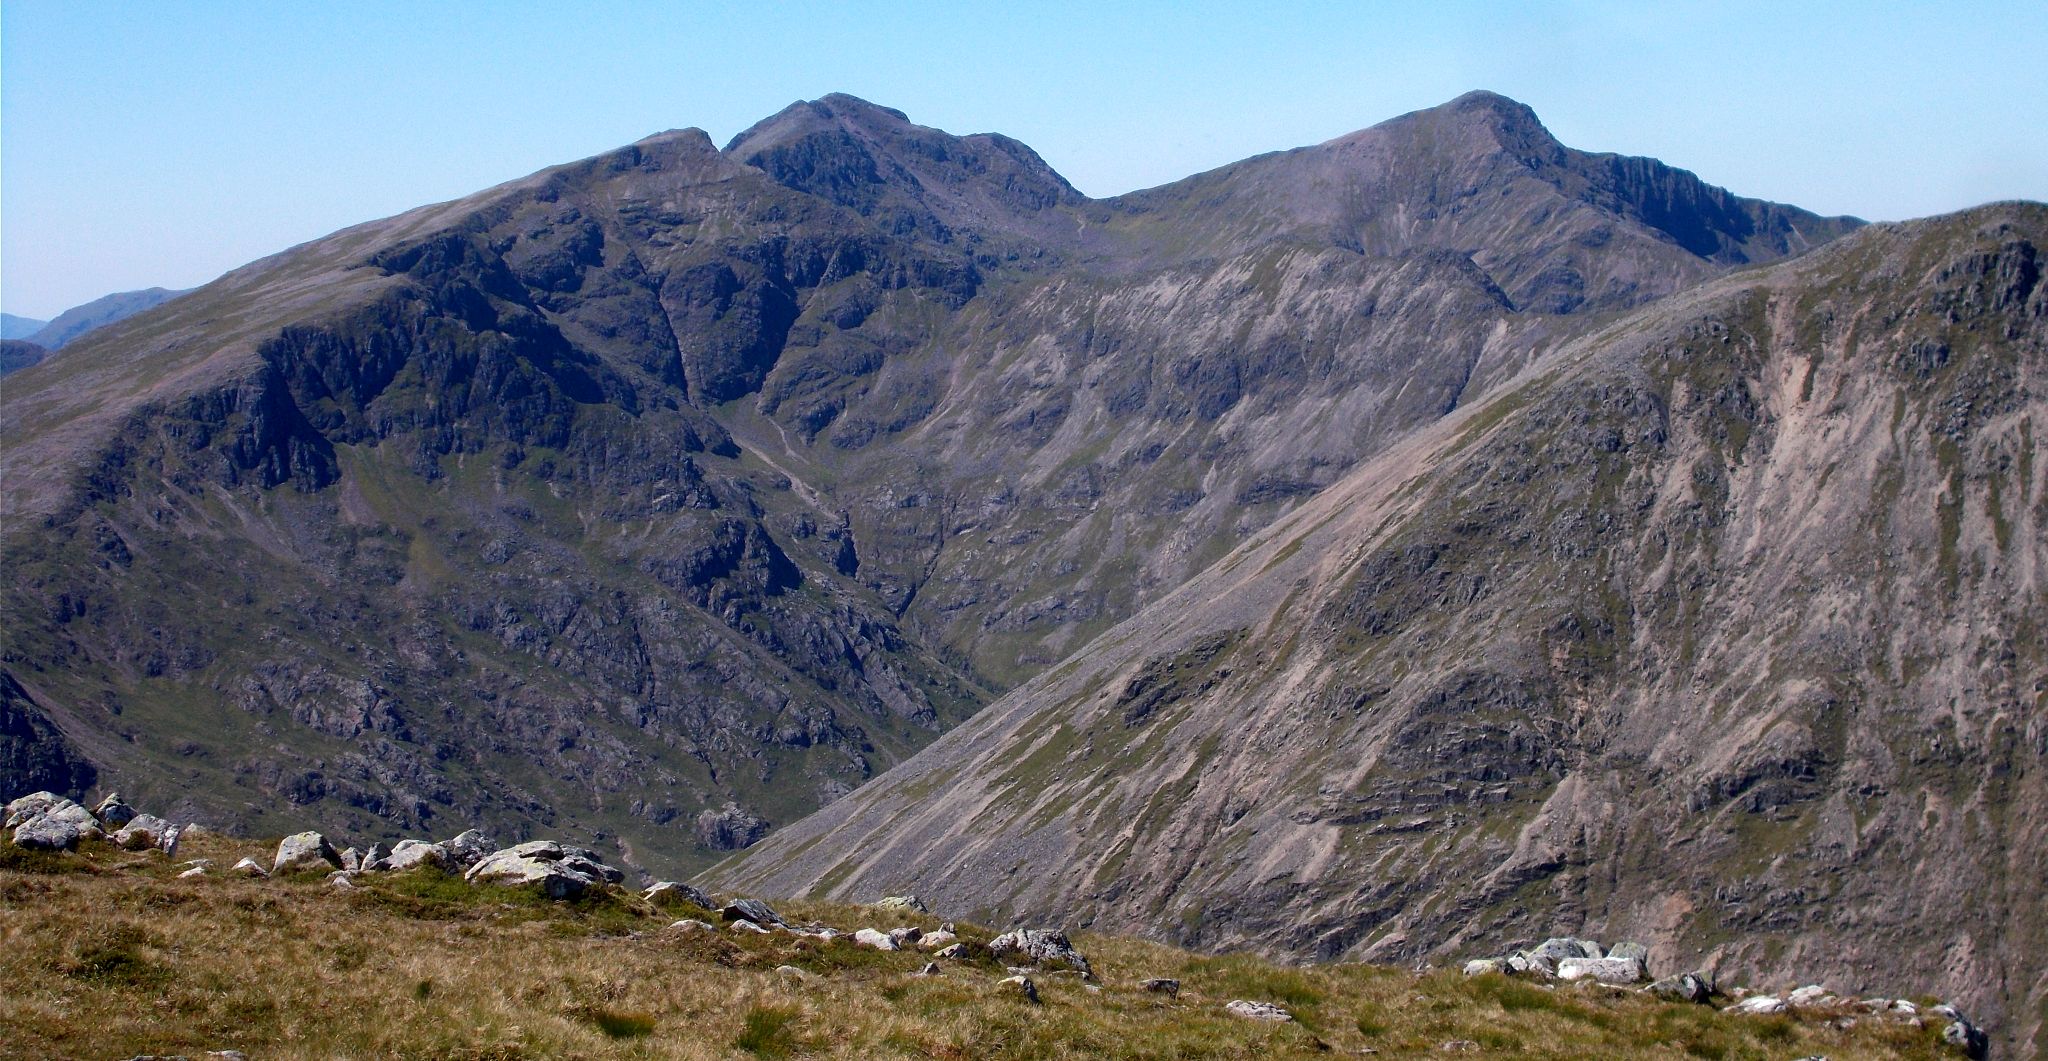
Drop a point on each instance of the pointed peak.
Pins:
(805, 116)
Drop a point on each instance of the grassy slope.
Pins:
(107, 954)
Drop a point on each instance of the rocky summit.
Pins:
(1408, 548)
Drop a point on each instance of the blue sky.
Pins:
(162, 144)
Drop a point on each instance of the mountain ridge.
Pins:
(1576, 650)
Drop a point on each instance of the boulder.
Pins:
(791, 972)
(58, 829)
(32, 805)
(1626, 951)
(690, 924)
(1759, 1005)
(1601, 970)
(676, 893)
(469, 848)
(1160, 985)
(1968, 1038)
(248, 867)
(1523, 963)
(744, 925)
(307, 850)
(752, 910)
(144, 831)
(868, 937)
(170, 838)
(930, 969)
(341, 879)
(903, 902)
(1041, 946)
(906, 937)
(351, 859)
(954, 953)
(1558, 948)
(1811, 995)
(935, 940)
(377, 859)
(1023, 985)
(1479, 966)
(560, 871)
(113, 812)
(195, 871)
(1689, 987)
(413, 854)
(1257, 1010)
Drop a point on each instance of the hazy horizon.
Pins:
(160, 148)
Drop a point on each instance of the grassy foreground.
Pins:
(106, 954)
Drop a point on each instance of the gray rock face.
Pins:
(1601, 970)
(303, 851)
(560, 871)
(1257, 1010)
(1041, 947)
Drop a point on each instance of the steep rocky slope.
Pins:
(668, 494)
(1722, 627)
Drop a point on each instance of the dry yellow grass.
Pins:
(105, 954)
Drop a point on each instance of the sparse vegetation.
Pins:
(106, 954)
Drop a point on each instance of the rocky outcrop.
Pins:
(559, 871)
(305, 851)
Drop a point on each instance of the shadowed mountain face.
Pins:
(664, 496)
(1720, 627)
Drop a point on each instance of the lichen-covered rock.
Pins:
(248, 867)
(1556, 949)
(903, 902)
(952, 953)
(1812, 995)
(676, 893)
(307, 850)
(1041, 946)
(1023, 986)
(1601, 970)
(1759, 1005)
(1479, 966)
(1257, 1010)
(906, 936)
(351, 859)
(1161, 985)
(936, 940)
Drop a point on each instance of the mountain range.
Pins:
(1433, 534)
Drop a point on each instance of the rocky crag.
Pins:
(662, 497)
(1721, 628)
